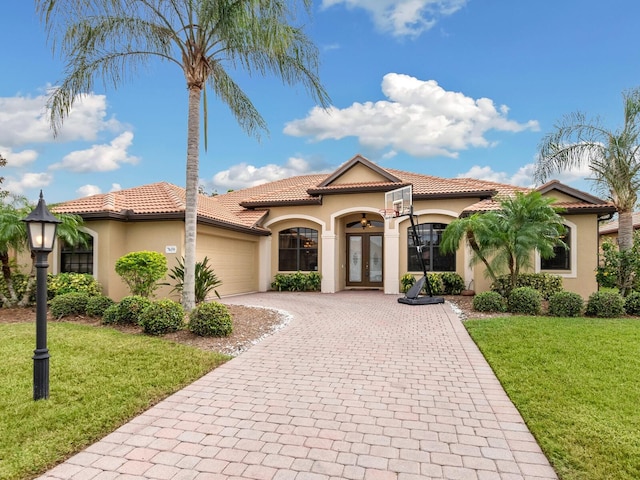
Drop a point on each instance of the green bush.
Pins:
(110, 315)
(205, 277)
(489, 302)
(74, 303)
(130, 308)
(19, 281)
(210, 320)
(296, 282)
(632, 304)
(525, 300)
(72, 282)
(407, 281)
(605, 305)
(141, 271)
(565, 304)
(452, 282)
(96, 305)
(544, 283)
(162, 316)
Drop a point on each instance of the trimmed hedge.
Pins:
(72, 282)
(162, 316)
(565, 304)
(544, 283)
(210, 320)
(489, 302)
(632, 304)
(130, 308)
(605, 305)
(97, 305)
(73, 303)
(297, 282)
(525, 300)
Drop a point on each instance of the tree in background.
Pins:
(611, 156)
(3, 162)
(14, 239)
(505, 239)
(206, 39)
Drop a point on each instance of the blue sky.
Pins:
(441, 87)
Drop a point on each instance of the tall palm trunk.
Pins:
(191, 200)
(625, 230)
(471, 238)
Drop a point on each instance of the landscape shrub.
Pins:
(73, 303)
(72, 282)
(19, 281)
(205, 278)
(130, 308)
(489, 302)
(632, 304)
(452, 282)
(565, 304)
(605, 305)
(162, 316)
(296, 282)
(525, 300)
(210, 320)
(407, 281)
(110, 315)
(544, 283)
(96, 305)
(141, 271)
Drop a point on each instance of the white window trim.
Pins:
(573, 251)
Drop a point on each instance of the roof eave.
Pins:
(280, 203)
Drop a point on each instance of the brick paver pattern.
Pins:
(357, 386)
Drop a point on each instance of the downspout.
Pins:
(601, 218)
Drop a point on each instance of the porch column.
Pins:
(391, 259)
(264, 263)
(329, 263)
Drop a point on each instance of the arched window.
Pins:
(430, 235)
(76, 259)
(298, 249)
(561, 259)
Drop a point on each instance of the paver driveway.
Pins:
(357, 386)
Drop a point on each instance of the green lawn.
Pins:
(100, 378)
(576, 383)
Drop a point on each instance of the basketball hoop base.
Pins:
(421, 300)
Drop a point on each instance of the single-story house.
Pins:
(609, 230)
(328, 223)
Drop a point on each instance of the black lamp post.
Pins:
(41, 229)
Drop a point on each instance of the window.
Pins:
(561, 259)
(298, 249)
(76, 259)
(429, 235)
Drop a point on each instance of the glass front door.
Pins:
(364, 252)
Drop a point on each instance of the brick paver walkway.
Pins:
(357, 386)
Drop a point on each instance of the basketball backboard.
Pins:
(398, 202)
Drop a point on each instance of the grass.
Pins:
(576, 383)
(99, 379)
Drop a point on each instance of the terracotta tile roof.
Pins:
(161, 200)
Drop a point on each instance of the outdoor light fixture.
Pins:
(41, 229)
(364, 222)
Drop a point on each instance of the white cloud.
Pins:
(27, 181)
(99, 158)
(18, 159)
(88, 190)
(244, 175)
(420, 118)
(25, 120)
(403, 17)
(524, 177)
(115, 187)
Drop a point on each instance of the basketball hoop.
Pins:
(389, 213)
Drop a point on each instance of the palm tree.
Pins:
(612, 157)
(505, 239)
(13, 238)
(474, 229)
(111, 39)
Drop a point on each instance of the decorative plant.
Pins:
(141, 271)
(206, 279)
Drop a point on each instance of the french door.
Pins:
(364, 253)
